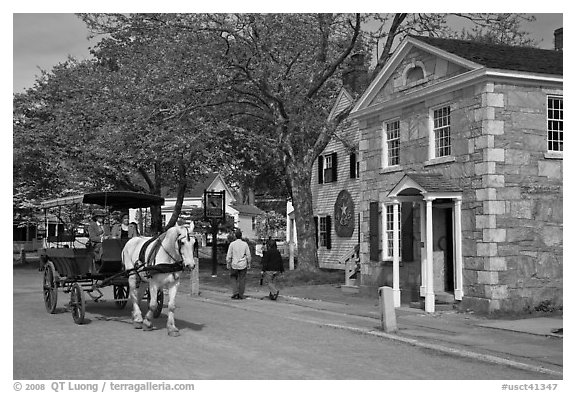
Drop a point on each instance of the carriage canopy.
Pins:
(113, 199)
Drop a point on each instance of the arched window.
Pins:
(414, 74)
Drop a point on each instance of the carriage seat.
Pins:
(111, 261)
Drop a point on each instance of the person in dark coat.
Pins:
(272, 266)
(97, 232)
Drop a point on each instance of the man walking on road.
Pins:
(238, 261)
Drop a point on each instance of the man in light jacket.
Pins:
(238, 261)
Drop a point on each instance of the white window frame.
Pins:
(559, 121)
(432, 148)
(388, 231)
(327, 168)
(386, 144)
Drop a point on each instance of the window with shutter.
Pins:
(328, 232)
(374, 236)
(320, 169)
(328, 169)
(322, 232)
(334, 167)
(316, 229)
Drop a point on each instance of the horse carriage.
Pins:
(125, 263)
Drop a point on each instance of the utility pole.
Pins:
(214, 247)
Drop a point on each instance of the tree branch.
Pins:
(329, 71)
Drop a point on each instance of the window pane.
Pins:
(442, 131)
(393, 142)
(555, 123)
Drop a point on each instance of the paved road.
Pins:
(221, 339)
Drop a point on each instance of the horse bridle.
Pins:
(179, 248)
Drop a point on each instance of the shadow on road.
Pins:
(107, 312)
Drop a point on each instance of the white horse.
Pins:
(176, 248)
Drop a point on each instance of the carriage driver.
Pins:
(97, 232)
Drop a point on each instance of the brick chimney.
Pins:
(558, 39)
(355, 75)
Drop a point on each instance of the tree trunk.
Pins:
(156, 211)
(300, 179)
(155, 219)
(182, 183)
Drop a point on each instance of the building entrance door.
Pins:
(443, 249)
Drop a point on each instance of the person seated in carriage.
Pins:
(97, 232)
(124, 229)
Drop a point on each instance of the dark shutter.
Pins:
(407, 232)
(328, 232)
(358, 231)
(320, 169)
(374, 243)
(334, 167)
(353, 166)
(316, 228)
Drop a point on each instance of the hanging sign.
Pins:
(214, 205)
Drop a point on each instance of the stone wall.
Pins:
(521, 216)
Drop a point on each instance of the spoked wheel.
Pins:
(77, 303)
(159, 301)
(50, 288)
(120, 293)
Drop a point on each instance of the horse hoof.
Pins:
(173, 333)
(137, 325)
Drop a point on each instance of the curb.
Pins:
(451, 351)
(421, 344)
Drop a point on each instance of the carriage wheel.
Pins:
(159, 301)
(77, 303)
(50, 288)
(120, 293)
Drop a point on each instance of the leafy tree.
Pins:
(132, 118)
(270, 224)
(488, 27)
(505, 29)
(283, 70)
(170, 94)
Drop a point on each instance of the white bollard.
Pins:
(387, 309)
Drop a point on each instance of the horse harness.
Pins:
(149, 266)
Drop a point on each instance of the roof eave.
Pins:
(459, 81)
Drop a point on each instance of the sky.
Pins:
(42, 40)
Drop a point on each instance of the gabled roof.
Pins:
(503, 57)
(480, 59)
(342, 101)
(203, 183)
(424, 183)
(434, 182)
(249, 210)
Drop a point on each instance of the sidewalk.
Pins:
(526, 343)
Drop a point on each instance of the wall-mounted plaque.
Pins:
(344, 214)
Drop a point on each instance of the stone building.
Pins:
(460, 188)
